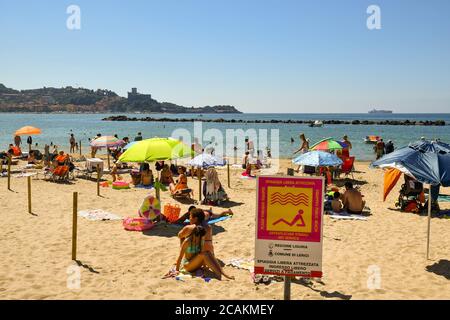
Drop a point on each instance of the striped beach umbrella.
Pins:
(107, 142)
(328, 144)
(205, 161)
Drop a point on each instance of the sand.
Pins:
(35, 249)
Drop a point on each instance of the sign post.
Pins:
(29, 193)
(74, 225)
(289, 227)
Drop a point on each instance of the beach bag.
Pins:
(411, 207)
(137, 224)
(172, 212)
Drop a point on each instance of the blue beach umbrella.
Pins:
(427, 161)
(317, 159)
(205, 161)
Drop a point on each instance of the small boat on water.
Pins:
(316, 123)
(371, 139)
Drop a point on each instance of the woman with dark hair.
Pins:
(194, 252)
(166, 175)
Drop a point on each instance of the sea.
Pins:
(56, 128)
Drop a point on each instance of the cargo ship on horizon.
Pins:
(380, 111)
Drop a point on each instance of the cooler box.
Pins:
(91, 164)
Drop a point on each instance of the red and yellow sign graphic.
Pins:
(289, 209)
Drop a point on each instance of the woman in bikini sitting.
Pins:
(166, 175)
(197, 248)
(181, 183)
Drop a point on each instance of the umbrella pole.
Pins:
(157, 191)
(199, 175)
(98, 180)
(109, 163)
(429, 222)
(228, 174)
(9, 172)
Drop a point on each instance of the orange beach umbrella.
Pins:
(27, 131)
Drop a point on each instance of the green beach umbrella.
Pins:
(328, 144)
(156, 149)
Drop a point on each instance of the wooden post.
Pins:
(228, 174)
(109, 163)
(80, 149)
(199, 175)
(9, 173)
(29, 194)
(74, 225)
(98, 180)
(158, 192)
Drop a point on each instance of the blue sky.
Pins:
(261, 56)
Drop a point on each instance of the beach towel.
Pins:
(98, 215)
(141, 186)
(346, 216)
(444, 198)
(240, 263)
(184, 275)
(211, 221)
(25, 174)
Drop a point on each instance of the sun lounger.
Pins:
(184, 193)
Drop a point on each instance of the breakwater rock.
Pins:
(325, 122)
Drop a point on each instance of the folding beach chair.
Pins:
(183, 194)
(347, 166)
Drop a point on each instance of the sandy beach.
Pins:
(35, 249)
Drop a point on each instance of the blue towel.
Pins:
(141, 186)
(211, 221)
(443, 198)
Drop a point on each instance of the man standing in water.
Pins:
(29, 142)
(72, 143)
(304, 147)
(138, 137)
(379, 148)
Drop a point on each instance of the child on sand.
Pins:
(336, 204)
